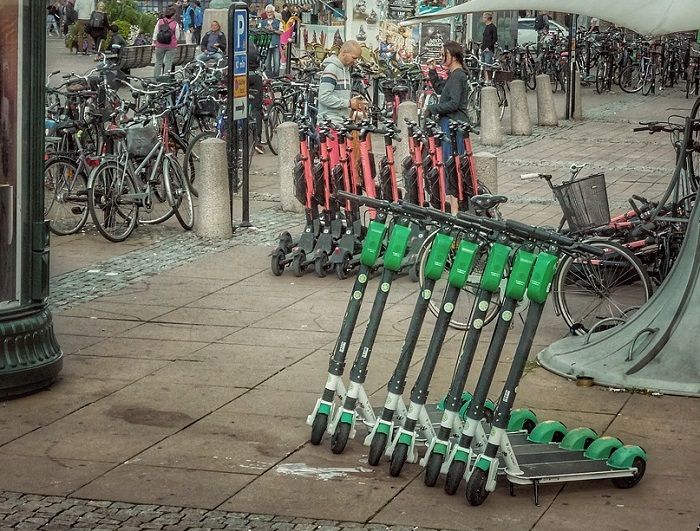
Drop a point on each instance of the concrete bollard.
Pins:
(519, 110)
(214, 210)
(407, 109)
(578, 109)
(491, 132)
(288, 145)
(487, 170)
(546, 110)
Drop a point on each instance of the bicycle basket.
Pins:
(207, 107)
(140, 140)
(503, 76)
(584, 202)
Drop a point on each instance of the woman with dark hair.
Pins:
(165, 37)
(453, 100)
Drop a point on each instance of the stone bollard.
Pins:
(491, 132)
(546, 110)
(288, 146)
(407, 109)
(519, 110)
(214, 209)
(487, 170)
(578, 109)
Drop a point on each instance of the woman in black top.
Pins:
(453, 102)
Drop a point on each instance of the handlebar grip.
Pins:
(364, 200)
(55, 73)
(527, 176)
(528, 231)
(638, 129)
(640, 199)
(589, 249)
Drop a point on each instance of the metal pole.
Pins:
(570, 85)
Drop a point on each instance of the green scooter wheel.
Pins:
(432, 469)
(276, 262)
(318, 428)
(376, 449)
(454, 476)
(398, 458)
(476, 487)
(340, 437)
(631, 481)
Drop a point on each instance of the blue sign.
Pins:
(240, 65)
(240, 31)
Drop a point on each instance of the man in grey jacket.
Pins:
(335, 99)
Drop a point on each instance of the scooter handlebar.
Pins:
(370, 202)
(544, 235)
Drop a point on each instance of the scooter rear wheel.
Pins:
(631, 481)
(341, 269)
(320, 265)
(476, 487)
(297, 266)
(276, 262)
(318, 428)
(398, 459)
(340, 438)
(454, 476)
(377, 448)
(432, 469)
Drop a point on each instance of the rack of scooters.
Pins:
(326, 165)
(466, 436)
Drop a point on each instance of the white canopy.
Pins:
(647, 17)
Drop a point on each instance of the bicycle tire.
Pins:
(600, 76)
(104, 203)
(178, 192)
(530, 76)
(275, 117)
(502, 99)
(581, 281)
(59, 208)
(554, 79)
(193, 159)
(649, 81)
(474, 107)
(157, 208)
(631, 79)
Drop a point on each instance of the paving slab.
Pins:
(164, 486)
(179, 332)
(91, 326)
(274, 402)
(149, 349)
(211, 316)
(71, 343)
(117, 310)
(82, 367)
(271, 337)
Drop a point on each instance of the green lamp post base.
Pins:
(30, 357)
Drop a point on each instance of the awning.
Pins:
(647, 17)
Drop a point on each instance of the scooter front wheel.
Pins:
(432, 469)
(398, 459)
(318, 428)
(454, 476)
(376, 449)
(276, 262)
(340, 438)
(320, 265)
(341, 268)
(297, 264)
(476, 487)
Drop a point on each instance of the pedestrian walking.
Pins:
(165, 37)
(98, 27)
(488, 44)
(83, 10)
(273, 24)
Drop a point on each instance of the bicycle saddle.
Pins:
(116, 133)
(487, 202)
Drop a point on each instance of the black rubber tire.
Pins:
(629, 482)
(340, 437)
(529, 425)
(631, 80)
(76, 212)
(275, 117)
(413, 272)
(103, 201)
(276, 260)
(377, 448)
(179, 195)
(286, 242)
(398, 459)
(454, 477)
(192, 159)
(432, 469)
(297, 264)
(318, 428)
(476, 487)
(320, 265)
(341, 269)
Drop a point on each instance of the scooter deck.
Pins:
(549, 463)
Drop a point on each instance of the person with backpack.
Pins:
(255, 94)
(213, 44)
(98, 26)
(165, 37)
(83, 10)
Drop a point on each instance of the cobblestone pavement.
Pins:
(31, 512)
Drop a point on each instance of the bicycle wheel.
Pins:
(193, 158)
(588, 290)
(111, 201)
(631, 79)
(178, 192)
(463, 306)
(554, 79)
(474, 107)
(502, 98)
(275, 117)
(65, 196)
(156, 208)
(649, 80)
(529, 75)
(601, 76)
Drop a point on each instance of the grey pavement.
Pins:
(189, 371)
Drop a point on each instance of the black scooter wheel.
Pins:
(476, 487)
(286, 242)
(318, 428)
(297, 266)
(432, 469)
(340, 438)
(276, 262)
(631, 481)
(413, 272)
(320, 265)
(376, 449)
(398, 459)
(454, 476)
(341, 269)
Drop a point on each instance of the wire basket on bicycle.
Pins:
(584, 202)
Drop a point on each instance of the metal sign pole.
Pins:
(571, 86)
(238, 104)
